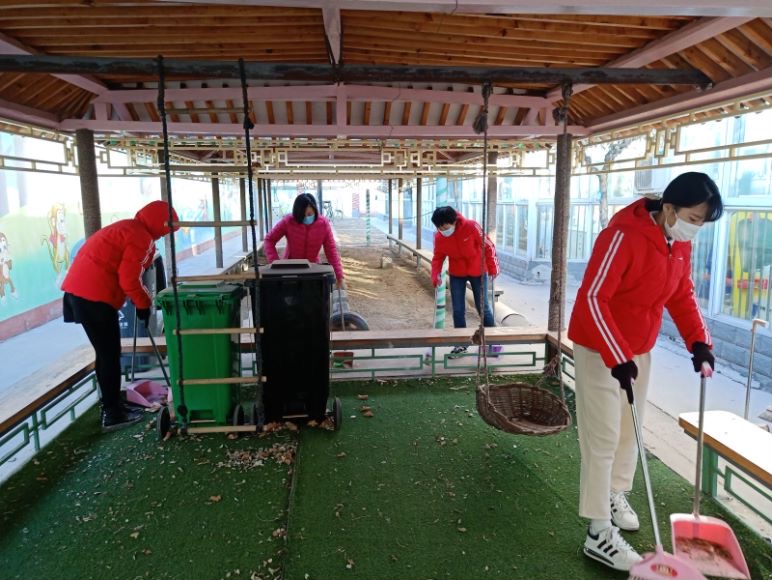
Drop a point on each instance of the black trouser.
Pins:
(100, 321)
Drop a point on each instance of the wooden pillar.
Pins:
(215, 179)
(560, 233)
(391, 211)
(243, 206)
(493, 195)
(89, 183)
(418, 212)
(400, 201)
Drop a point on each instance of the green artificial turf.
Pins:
(423, 489)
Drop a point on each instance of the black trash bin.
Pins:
(295, 344)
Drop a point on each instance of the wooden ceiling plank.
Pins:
(366, 113)
(483, 29)
(290, 113)
(759, 33)
(462, 112)
(725, 58)
(59, 99)
(500, 116)
(132, 111)
(269, 112)
(141, 36)
(309, 113)
(7, 80)
(425, 113)
(699, 60)
(523, 19)
(745, 49)
(49, 84)
(566, 38)
(153, 113)
(376, 57)
(215, 13)
(232, 116)
(444, 114)
(406, 106)
(387, 113)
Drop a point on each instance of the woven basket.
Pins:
(522, 409)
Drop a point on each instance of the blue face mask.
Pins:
(309, 219)
(448, 232)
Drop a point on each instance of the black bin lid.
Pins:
(295, 268)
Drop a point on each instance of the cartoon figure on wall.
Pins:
(6, 264)
(56, 241)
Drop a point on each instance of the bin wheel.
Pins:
(337, 413)
(351, 321)
(163, 422)
(257, 419)
(238, 415)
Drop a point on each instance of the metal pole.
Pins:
(391, 211)
(260, 211)
(216, 211)
(493, 195)
(367, 216)
(756, 322)
(400, 201)
(418, 212)
(243, 213)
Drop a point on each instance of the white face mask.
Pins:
(681, 231)
(448, 232)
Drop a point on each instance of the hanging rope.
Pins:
(248, 126)
(181, 408)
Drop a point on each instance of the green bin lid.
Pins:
(201, 291)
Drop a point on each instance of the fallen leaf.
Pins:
(363, 397)
(368, 413)
(215, 498)
(134, 535)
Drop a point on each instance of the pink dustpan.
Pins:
(706, 542)
(661, 565)
(147, 393)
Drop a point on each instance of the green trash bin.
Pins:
(204, 356)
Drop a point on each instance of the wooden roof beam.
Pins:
(332, 29)
(29, 115)
(348, 73)
(606, 7)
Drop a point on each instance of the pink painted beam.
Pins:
(738, 88)
(283, 93)
(601, 7)
(362, 131)
(23, 114)
(676, 41)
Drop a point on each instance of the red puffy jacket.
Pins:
(109, 265)
(462, 248)
(632, 275)
(304, 242)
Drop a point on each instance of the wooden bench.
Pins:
(30, 397)
(740, 443)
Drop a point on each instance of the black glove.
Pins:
(144, 315)
(702, 354)
(626, 373)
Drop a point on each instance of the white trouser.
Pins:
(606, 433)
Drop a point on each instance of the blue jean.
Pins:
(458, 299)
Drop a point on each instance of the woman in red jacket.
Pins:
(107, 268)
(306, 232)
(459, 239)
(639, 266)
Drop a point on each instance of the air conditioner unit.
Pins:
(651, 180)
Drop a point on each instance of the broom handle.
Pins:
(160, 360)
(644, 466)
(134, 346)
(705, 372)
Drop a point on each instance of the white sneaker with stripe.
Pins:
(610, 548)
(622, 515)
